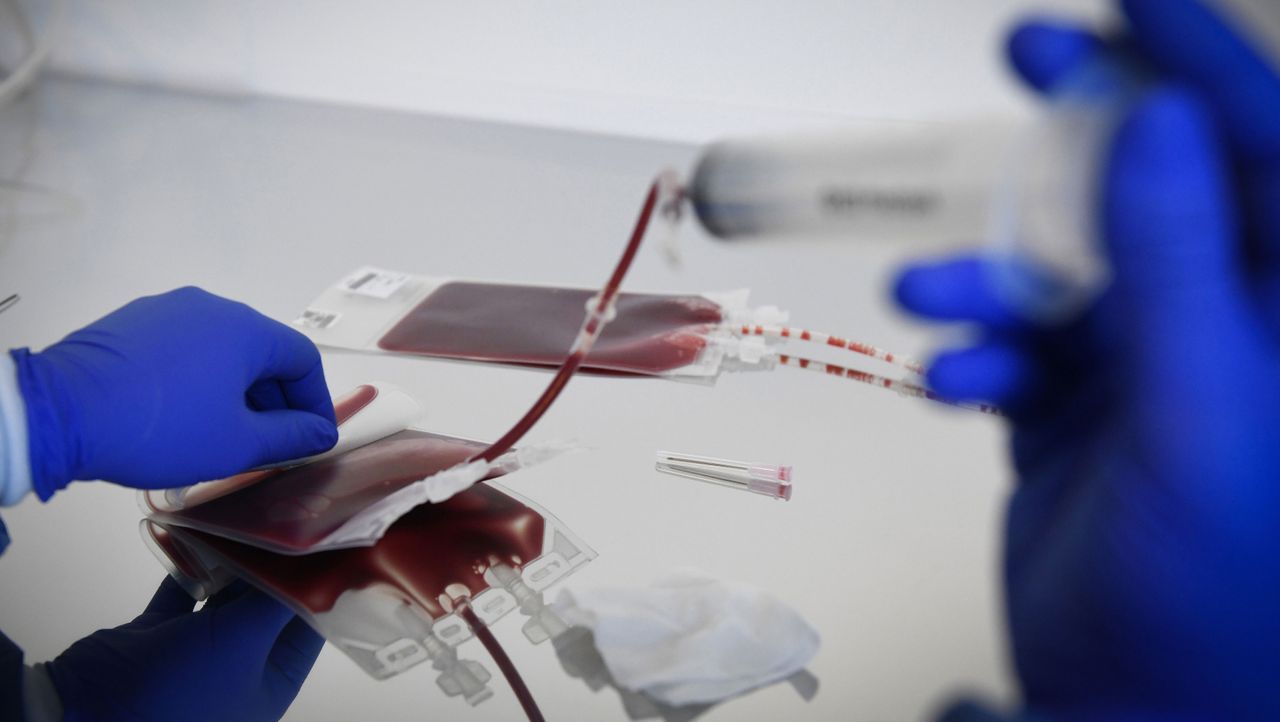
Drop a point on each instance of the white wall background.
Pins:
(680, 70)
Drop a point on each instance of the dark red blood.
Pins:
(296, 508)
(177, 552)
(428, 549)
(505, 665)
(355, 400)
(536, 326)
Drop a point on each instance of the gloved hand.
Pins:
(242, 657)
(171, 390)
(1142, 560)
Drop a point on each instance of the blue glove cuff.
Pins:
(47, 444)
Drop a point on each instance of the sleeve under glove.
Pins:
(15, 465)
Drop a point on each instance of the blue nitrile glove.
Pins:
(1142, 560)
(242, 657)
(171, 390)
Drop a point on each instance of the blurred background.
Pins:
(668, 70)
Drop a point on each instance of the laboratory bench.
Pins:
(889, 546)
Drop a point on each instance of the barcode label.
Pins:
(317, 319)
(374, 282)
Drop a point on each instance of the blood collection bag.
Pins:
(340, 499)
(682, 336)
(397, 603)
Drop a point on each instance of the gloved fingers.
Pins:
(294, 653)
(997, 371)
(266, 395)
(1197, 46)
(1184, 38)
(961, 288)
(169, 601)
(293, 361)
(281, 435)
(310, 393)
(1169, 228)
(273, 395)
(252, 622)
(1044, 51)
(1071, 407)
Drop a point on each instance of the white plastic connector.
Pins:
(743, 353)
(757, 316)
(752, 350)
(768, 316)
(543, 623)
(457, 676)
(523, 457)
(608, 314)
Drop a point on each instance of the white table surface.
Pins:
(890, 546)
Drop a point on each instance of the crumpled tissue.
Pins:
(690, 638)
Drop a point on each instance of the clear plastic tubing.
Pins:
(599, 311)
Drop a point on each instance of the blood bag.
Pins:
(674, 335)
(396, 603)
(343, 499)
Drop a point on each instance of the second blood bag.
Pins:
(674, 335)
(343, 498)
(345, 540)
(395, 604)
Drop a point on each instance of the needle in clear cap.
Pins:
(769, 480)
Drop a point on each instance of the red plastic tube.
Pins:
(597, 317)
(504, 663)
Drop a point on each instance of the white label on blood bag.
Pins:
(317, 319)
(374, 282)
